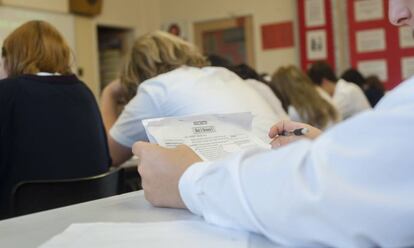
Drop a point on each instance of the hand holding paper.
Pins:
(160, 169)
(212, 137)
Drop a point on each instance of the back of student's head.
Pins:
(36, 46)
(320, 71)
(294, 88)
(156, 53)
(354, 76)
(219, 61)
(373, 82)
(246, 72)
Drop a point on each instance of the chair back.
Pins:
(38, 195)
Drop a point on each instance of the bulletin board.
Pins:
(375, 46)
(315, 32)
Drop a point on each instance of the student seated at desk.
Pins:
(50, 124)
(348, 97)
(351, 186)
(302, 100)
(170, 78)
(252, 78)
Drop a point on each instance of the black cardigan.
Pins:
(50, 128)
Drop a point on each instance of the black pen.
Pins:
(296, 132)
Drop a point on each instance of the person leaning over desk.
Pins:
(351, 186)
(167, 76)
(50, 124)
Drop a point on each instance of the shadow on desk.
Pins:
(34, 196)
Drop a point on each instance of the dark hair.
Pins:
(320, 71)
(375, 83)
(246, 72)
(353, 76)
(219, 61)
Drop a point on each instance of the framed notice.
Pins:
(374, 67)
(367, 10)
(315, 32)
(314, 13)
(406, 36)
(370, 40)
(375, 46)
(407, 68)
(316, 45)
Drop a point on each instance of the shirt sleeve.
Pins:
(128, 128)
(349, 188)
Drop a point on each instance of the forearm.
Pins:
(109, 110)
(331, 192)
(110, 104)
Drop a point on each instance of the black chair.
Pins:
(33, 196)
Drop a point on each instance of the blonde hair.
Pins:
(156, 53)
(35, 46)
(294, 88)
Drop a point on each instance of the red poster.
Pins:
(277, 35)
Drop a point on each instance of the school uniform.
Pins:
(50, 128)
(266, 92)
(189, 91)
(350, 99)
(351, 187)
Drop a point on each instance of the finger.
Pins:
(139, 147)
(275, 143)
(276, 129)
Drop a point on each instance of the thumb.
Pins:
(140, 147)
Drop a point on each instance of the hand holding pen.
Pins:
(286, 132)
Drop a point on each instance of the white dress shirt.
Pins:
(349, 99)
(351, 187)
(266, 92)
(189, 91)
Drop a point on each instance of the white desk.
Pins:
(33, 230)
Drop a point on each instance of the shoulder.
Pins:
(9, 85)
(402, 95)
(347, 89)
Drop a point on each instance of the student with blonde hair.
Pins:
(170, 78)
(50, 125)
(301, 99)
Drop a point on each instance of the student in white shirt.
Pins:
(252, 78)
(350, 187)
(172, 80)
(302, 99)
(348, 97)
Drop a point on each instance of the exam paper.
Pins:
(212, 137)
(154, 234)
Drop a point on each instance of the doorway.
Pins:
(230, 38)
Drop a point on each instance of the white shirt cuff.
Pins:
(190, 188)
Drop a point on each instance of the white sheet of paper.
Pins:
(183, 234)
(377, 67)
(371, 40)
(367, 10)
(211, 136)
(407, 67)
(316, 44)
(406, 37)
(314, 13)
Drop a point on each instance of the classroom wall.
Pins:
(146, 15)
(50, 5)
(139, 15)
(263, 12)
